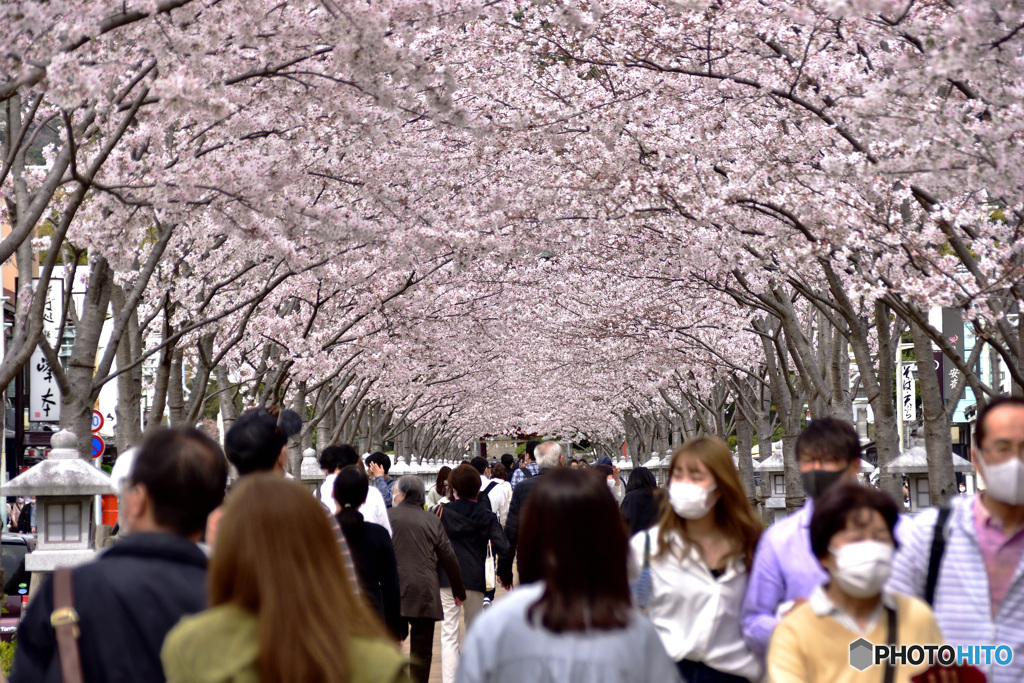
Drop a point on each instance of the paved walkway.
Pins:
(435, 662)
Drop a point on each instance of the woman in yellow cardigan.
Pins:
(852, 537)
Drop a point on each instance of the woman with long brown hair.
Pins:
(572, 620)
(699, 556)
(281, 607)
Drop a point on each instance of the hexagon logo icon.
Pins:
(861, 654)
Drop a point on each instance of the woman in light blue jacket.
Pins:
(573, 622)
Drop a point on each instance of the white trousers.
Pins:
(451, 642)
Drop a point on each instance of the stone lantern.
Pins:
(65, 487)
(310, 473)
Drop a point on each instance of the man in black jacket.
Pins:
(548, 455)
(134, 592)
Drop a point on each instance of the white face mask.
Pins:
(689, 500)
(861, 569)
(1004, 482)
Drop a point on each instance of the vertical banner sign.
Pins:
(44, 394)
(908, 393)
(953, 331)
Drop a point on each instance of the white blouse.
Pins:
(696, 615)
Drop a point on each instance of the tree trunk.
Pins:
(77, 404)
(938, 442)
(744, 443)
(176, 389)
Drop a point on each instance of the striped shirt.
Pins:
(963, 605)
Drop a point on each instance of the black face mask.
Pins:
(816, 481)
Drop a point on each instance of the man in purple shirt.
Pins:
(785, 570)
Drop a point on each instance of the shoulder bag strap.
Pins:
(64, 620)
(489, 487)
(890, 671)
(647, 550)
(935, 557)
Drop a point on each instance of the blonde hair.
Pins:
(278, 557)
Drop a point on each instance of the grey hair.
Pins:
(548, 454)
(411, 488)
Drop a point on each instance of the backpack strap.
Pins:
(889, 674)
(64, 620)
(647, 549)
(935, 557)
(489, 487)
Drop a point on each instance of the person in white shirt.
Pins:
(331, 461)
(699, 556)
(499, 491)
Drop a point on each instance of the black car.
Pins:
(15, 548)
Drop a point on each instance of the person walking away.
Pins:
(440, 488)
(509, 461)
(27, 516)
(977, 546)
(574, 622)
(14, 512)
(378, 464)
(371, 548)
(641, 504)
(699, 555)
(281, 607)
(258, 442)
(420, 544)
(134, 592)
(785, 570)
(852, 537)
(495, 493)
(470, 527)
(528, 467)
(549, 456)
(332, 461)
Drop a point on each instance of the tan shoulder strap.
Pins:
(64, 620)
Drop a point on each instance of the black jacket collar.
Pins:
(158, 545)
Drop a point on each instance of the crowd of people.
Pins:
(261, 581)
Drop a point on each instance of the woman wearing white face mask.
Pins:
(852, 537)
(699, 555)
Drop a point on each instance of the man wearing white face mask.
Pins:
(973, 570)
(699, 556)
(852, 537)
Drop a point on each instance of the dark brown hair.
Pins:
(733, 514)
(441, 485)
(573, 537)
(278, 558)
(830, 436)
(979, 428)
(838, 504)
(466, 481)
(500, 472)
